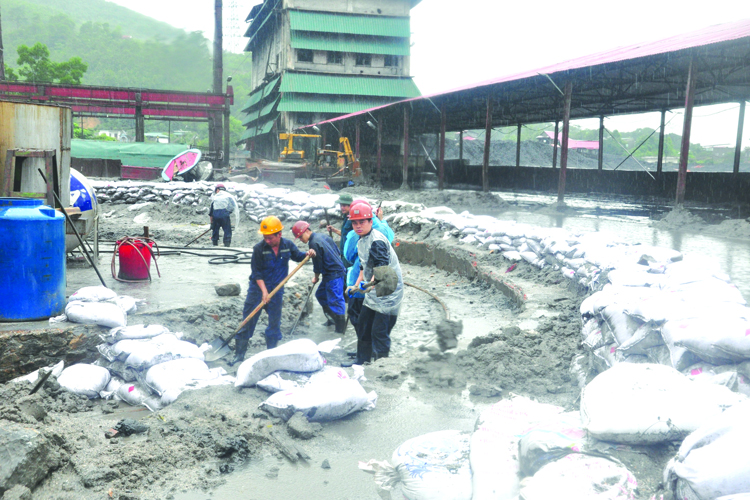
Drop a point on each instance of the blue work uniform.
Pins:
(327, 263)
(272, 269)
(222, 207)
(346, 227)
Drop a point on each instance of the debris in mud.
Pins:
(228, 289)
(300, 428)
(128, 426)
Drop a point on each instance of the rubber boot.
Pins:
(378, 355)
(340, 321)
(271, 343)
(329, 315)
(240, 348)
(227, 243)
(215, 243)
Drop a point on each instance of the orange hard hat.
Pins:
(360, 211)
(270, 225)
(299, 228)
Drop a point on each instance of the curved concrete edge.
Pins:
(463, 262)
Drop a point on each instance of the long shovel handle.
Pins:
(199, 237)
(273, 292)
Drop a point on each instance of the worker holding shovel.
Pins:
(327, 262)
(381, 273)
(270, 266)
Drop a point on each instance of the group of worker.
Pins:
(346, 273)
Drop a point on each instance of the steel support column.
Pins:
(405, 183)
(380, 149)
(518, 146)
(140, 132)
(564, 145)
(441, 165)
(487, 140)
(356, 140)
(600, 158)
(554, 147)
(660, 158)
(461, 147)
(738, 145)
(685, 145)
(225, 149)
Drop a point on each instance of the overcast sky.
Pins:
(460, 43)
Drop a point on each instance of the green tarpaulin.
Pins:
(136, 154)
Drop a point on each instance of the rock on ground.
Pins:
(300, 428)
(227, 289)
(24, 457)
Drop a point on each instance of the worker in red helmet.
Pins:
(379, 314)
(220, 213)
(326, 263)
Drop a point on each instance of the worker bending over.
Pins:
(269, 265)
(327, 262)
(379, 313)
(223, 205)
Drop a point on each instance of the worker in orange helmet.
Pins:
(269, 267)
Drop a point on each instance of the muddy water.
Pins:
(405, 408)
(628, 220)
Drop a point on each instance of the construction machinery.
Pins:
(297, 148)
(338, 167)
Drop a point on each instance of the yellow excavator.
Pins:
(295, 147)
(339, 167)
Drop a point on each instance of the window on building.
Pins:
(335, 57)
(364, 60)
(391, 61)
(304, 55)
(304, 118)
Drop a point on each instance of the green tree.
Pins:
(35, 65)
(10, 74)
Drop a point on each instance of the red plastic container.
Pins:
(135, 260)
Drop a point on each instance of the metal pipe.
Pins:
(600, 158)
(660, 158)
(461, 146)
(554, 148)
(487, 140)
(564, 146)
(518, 146)
(441, 165)
(404, 184)
(738, 145)
(686, 125)
(380, 148)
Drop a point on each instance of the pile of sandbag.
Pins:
(98, 305)
(296, 374)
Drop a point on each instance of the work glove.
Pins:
(351, 291)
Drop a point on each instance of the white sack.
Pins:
(713, 339)
(581, 477)
(96, 313)
(298, 356)
(287, 381)
(92, 294)
(494, 445)
(127, 304)
(136, 394)
(648, 403)
(33, 377)
(175, 373)
(549, 441)
(134, 332)
(321, 402)
(87, 380)
(160, 349)
(729, 376)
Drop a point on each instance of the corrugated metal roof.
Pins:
(314, 103)
(262, 91)
(316, 83)
(136, 154)
(261, 129)
(255, 115)
(330, 22)
(362, 44)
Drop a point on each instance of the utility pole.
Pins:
(216, 125)
(2, 55)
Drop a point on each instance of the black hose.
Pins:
(235, 257)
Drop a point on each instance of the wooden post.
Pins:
(140, 132)
(554, 148)
(405, 183)
(487, 140)
(601, 143)
(518, 146)
(441, 165)
(380, 149)
(356, 140)
(660, 158)
(738, 145)
(564, 145)
(461, 146)
(685, 145)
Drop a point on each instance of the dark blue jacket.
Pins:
(272, 268)
(327, 261)
(345, 228)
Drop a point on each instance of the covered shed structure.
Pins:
(708, 66)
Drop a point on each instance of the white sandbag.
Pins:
(96, 313)
(84, 379)
(549, 441)
(134, 332)
(512, 255)
(649, 403)
(33, 377)
(433, 466)
(120, 350)
(170, 395)
(111, 388)
(92, 294)
(321, 402)
(127, 304)
(637, 276)
(712, 461)
(581, 477)
(494, 445)
(118, 369)
(729, 376)
(646, 337)
(137, 394)
(716, 340)
(680, 357)
(530, 257)
(622, 325)
(298, 356)
(712, 289)
(160, 349)
(605, 357)
(175, 373)
(288, 381)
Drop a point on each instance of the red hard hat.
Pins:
(299, 228)
(220, 186)
(360, 211)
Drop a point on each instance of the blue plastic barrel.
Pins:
(32, 260)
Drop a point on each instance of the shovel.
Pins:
(219, 347)
(304, 306)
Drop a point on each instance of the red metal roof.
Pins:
(573, 143)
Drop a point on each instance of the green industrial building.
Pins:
(318, 59)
